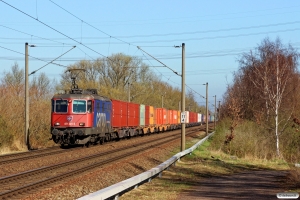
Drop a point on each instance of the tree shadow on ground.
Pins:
(230, 181)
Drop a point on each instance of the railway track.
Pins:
(25, 182)
(9, 158)
(17, 157)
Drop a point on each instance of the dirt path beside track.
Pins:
(258, 184)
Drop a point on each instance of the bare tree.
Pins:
(233, 111)
(14, 80)
(40, 88)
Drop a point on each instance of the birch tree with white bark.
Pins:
(272, 67)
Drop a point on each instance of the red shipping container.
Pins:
(133, 114)
(195, 117)
(175, 116)
(166, 116)
(170, 116)
(158, 113)
(119, 113)
(192, 117)
(161, 116)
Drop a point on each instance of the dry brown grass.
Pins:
(293, 179)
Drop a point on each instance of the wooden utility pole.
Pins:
(207, 109)
(26, 99)
(183, 97)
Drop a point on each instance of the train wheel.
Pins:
(87, 144)
(107, 137)
(101, 141)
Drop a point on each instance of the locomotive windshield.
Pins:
(60, 106)
(79, 106)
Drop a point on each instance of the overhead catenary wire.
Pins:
(53, 29)
(89, 23)
(211, 31)
(211, 37)
(214, 15)
(157, 70)
(173, 34)
(65, 34)
(159, 61)
(171, 70)
(52, 40)
(51, 61)
(57, 30)
(180, 39)
(31, 56)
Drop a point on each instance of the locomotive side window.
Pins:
(79, 106)
(61, 106)
(89, 106)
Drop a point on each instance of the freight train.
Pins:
(84, 117)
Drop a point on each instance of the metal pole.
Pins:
(215, 115)
(162, 101)
(183, 98)
(26, 99)
(219, 111)
(207, 109)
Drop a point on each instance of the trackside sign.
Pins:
(182, 118)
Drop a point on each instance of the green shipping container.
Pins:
(142, 115)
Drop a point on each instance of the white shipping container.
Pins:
(187, 117)
(199, 117)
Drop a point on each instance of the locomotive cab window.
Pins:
(79, 106)
(60, 106)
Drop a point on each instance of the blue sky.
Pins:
(215, 34)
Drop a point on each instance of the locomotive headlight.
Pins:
(56, 124)
(81, 123)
